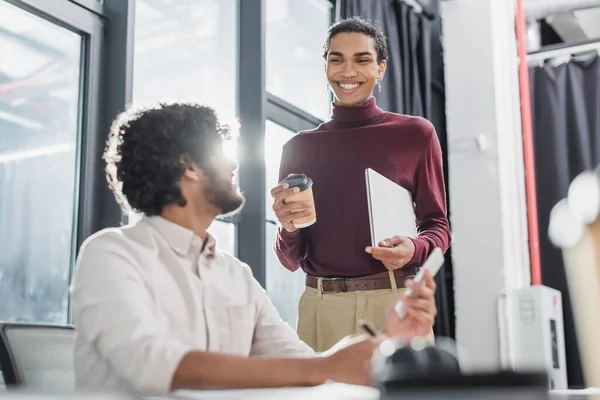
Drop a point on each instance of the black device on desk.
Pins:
(418, 371)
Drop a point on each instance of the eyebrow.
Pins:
(359, 54)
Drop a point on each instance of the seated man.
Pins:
(157, 308)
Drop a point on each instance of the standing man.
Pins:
(335, 252)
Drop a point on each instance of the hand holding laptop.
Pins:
(392, 219)
(394, 252)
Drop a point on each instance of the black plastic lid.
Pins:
(300, 181)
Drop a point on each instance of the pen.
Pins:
(367, 327)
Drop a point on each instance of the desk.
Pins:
(328, 391)
(339, 391)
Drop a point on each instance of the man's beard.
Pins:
(221, 194)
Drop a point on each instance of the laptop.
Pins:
(391, 208)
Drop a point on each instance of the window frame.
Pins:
(90, 27)
(106, 91)
(255, 107)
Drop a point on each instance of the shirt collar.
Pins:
(180, 239)
(363, 112)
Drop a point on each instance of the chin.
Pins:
(233, 205)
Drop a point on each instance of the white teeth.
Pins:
(349, 86)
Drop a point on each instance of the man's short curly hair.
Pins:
(359, 25)
(149, 149)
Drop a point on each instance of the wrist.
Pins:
(290, 230)
(417, 254)
(319, 371)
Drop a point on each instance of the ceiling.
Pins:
(577, 26)
(572, 20)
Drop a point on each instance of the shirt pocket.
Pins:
(236, 332)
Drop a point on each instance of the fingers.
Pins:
(393, 241)
(430, 281)
(421, 308)
(426, 318)
(278, 189)
(371, 343)
(382, 252)
(392, 258)
(427, 288)
(286, 216)
(281, 195)
(421, 291)
(417, 303)
(295, 206)
(286, 213)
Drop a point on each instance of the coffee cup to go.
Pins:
(304, 183)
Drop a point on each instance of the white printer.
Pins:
(532, 333)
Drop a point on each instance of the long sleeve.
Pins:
(114, 309)
(430, 204)
(288, 246)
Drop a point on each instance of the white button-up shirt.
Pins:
(147, 294)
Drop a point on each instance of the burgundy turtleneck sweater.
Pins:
(405, 149)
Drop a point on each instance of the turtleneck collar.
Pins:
(363, 112)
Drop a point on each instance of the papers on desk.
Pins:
(328, 391)
(391, 208)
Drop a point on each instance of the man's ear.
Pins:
(192, 173)
(192, 170)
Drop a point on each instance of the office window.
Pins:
(188, 50)
(295, 33)
(283, 287)
(40, 72)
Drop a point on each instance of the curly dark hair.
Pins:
(149, 149)
(359, 25)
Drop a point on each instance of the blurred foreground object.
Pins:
(575, 229)
(415, 370)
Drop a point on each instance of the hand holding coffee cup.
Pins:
(293, 202)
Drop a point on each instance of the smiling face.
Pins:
(352, 68)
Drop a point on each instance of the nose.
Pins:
(349, 71)
(233, 164)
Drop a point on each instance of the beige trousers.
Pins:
(325, 318)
